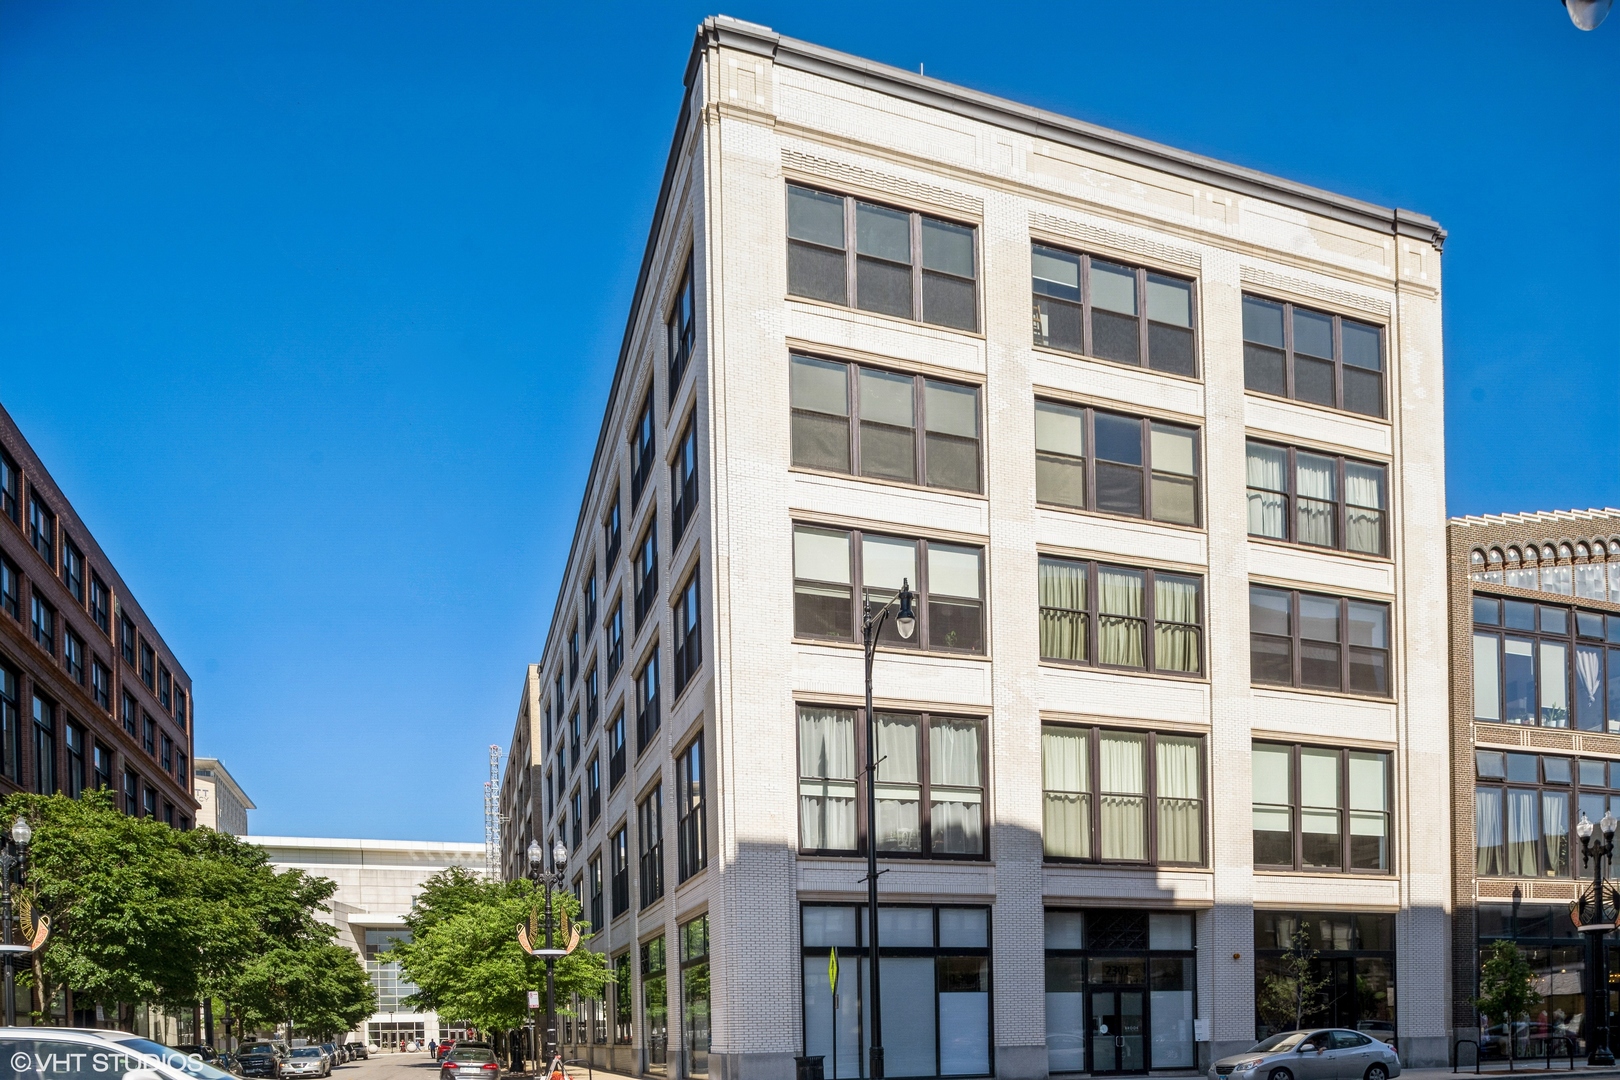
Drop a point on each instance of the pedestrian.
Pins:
(433, 1049)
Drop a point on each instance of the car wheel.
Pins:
(1280, 1074)
(1377, 1072)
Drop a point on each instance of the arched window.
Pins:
(1496, 557)
(1547, 552)
(1582, 551)
(1513, 556)
(1476, 558)
(1530, 555)
(1564, 551)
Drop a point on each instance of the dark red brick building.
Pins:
(90, 696)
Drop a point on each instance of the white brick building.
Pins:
(1158, 438)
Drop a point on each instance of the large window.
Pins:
(74, 736)
(694, 938)
(643, 446)
(681, 329)
(688, 633)
(1544, 664)
(1119, 617)
(1136, 467)
(42, 621)
(1526, 807)
(72, 568)
(1322, 500)
(44, 745)
(587, 594)
(593, 790)
(683, 483)
(906, 264)
(655, 1005)
(648, 714)
(1318, 642)
(10, 486)
(869, 422)
(10, 726)
(646, 572)
(650, 837)
(593, 700)
(616, 755)
(619, 854)
(1321, 808)
(692, 815)
(1312, 356)
(1120, 989)
(1354, 959)
(42, 528)
(936, 989)
(101, 684)
(573, 654)
(615, 641)
(127, 707)
(73, 655)
(126, 639)
(10, 588)
(100, 602)
(611, 537)
(594, 874)
(1122, 796)
(622, 991)
(930, 784)
(1096, 307)
(834, 570)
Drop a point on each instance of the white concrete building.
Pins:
(1159, 440)
(222, 805)
(377, 881)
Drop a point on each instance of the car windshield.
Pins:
(306, 1051)
(257, 1048)
(174, 1059)
(471, 1055)
(1285, 1041)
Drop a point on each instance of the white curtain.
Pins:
(827, 786)
(1175, 601)
(1364, 508)
(1589, 683)
(1314, 483)
(1523, 835)
(1121, 630)
(1489, 858)
(899, 820)
(1555, 832)
(956, 790)
(1180, 800)
(1122, 776)
(1063, 609)
(1066, 769)
(1268, 505)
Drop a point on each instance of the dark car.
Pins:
(198, 1050)
(227, 1063)
(259, 1059)
(470, 1060)
(357, 1050)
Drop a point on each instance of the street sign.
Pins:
(832, 974)
(534, 999)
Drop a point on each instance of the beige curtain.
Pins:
(956, 789)
(1175, 629)
(1121, 630)
(1066, 771)
(1268, 504)
(1314, 482)
(1122, 791)
(1063, 610)
(899, 792)
(1180, 800)
(827, 781)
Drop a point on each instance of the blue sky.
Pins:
(312, 307)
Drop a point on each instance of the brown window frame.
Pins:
(1295, 811)
(1290, 387)
(681, 327)
(1089, 461)
(1143, 323)
(1296, 657)
(1148, 618)
(1341, 502)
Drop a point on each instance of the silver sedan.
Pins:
(1323, 1054)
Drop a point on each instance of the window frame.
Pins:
(593, 874)
(1341, 502)
(1143, 323)
(72, 571)
(851, 256)
(10, 588)
(43, 619)
(41, 528)
(1344, 644)
(687, 615)
(615, 640)
(619, 848)
(1572, 789)
(649, 707)
(1148, 618)
(691, 810)
(100, 604)
(101, 683)
(617, 755)
(643, 449)
(1296, 807)
(612, 537)
(1150, 795)
(73, 655)
(11, 723)
(126, 638)
(1089, 462)
(593, 788)
(10, 488)
(681, 326)
(646, 573)
(683, 481)
(650, 845)
(1338, 362)
(1572, 641)
(44, 743)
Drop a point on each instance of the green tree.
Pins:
(314, 987)
(1507, 986)
(464, 956)
(1292, 989)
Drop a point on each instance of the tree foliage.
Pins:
(1292, 990)
(315, 987)
(464, 956)
(1507, 984)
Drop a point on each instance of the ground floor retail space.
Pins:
(1563, 966)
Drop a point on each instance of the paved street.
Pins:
(417, 1067)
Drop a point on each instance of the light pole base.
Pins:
(1600, 1055)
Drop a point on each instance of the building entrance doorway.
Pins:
(1118, 1029)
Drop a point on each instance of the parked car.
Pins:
(445, 1047)
(260, 1059)
(469, 1061)
(120, 1052)
(331, 1052)
(1324, 1054)
(227, 1063)
(357, 1050)
(307, 1061)
(198, 1050)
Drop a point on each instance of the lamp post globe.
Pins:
(559, 855)
(535, 853)
(21, 831)
(1608, 824)
(1587, 14)
(1583, 827)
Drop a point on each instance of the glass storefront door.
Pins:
(1117, 1029)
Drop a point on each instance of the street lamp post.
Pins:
(549, 880)
(871, 626)
(1597, 912)
(11, 861)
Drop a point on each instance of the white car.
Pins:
(82, 1054)
(307, 1061)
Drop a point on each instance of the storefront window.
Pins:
(1557, 955)
(936, 989)
(655, 1006)
(1354, 956)
(1119, 990)
(695, 995)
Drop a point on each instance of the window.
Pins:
(615, 641)
(1122, 796)
(42, 529)
(1299, 639)
(688, 634)
(44, 745)
(647, 700)
(949, 604)
(611, 537)
(1317, 499)
(10, 588)
(694, 937)
(100, 603)
(102, 762)
(578, 818)
(646, 573)
(73, 655)
(1312, 356)
(148, 666)
(1302, 817)
(10, 726)
(588, 593)
(683, 482)
(167, 758)
(642, 448)
(148, 733)
(692, 816)
(1526, 807)
(573, 655)
(42, 618)
(149, 801)
(1123, 313)
(936, 975)
(128, 707)
(180, 768)
(180, 707)
(593, 789)
(164, 696)
(881, 271)
(682, 330)
(74, 735)
(73, 569)
(1117, 616)
(930, 783)
(132, 793)
(1136, 468)
(126, 639)
(869, 422)
(101, 684)
(619, 854)
(1356, 952)
(615, 738)
(573, 735)
(655, 1003)
(1545, 665)
(650, 834)
(10, 485)
(594, 873)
